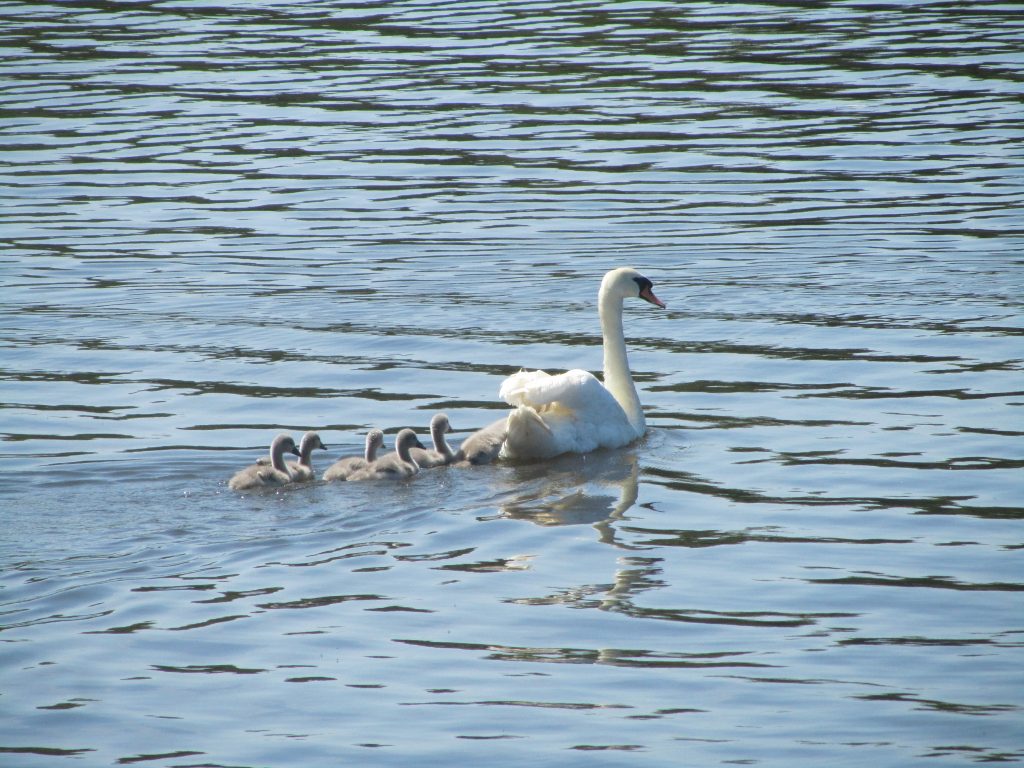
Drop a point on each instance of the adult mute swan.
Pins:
(442, 453)
(348, 465)
(302, 470)
(393, 466)
(260, 475)
(573, 412)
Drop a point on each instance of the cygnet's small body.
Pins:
(302, 470)
(393, 466)
(484, 445)
(348, 465)
(263, 476)
(442, 453)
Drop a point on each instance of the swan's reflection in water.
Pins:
(598, 489)
(591, 489)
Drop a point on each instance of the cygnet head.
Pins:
(439, 425)
(283, 444)
(405, 440)
(627, 283)
(310, 442)
(374, 440)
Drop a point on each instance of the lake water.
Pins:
(225, 220)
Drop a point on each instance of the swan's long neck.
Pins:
(404, 451)
(440, 444)
(277, 457)
(617, 378)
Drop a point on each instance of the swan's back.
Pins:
(576, 390)
(389, 467)
(342, 468)
(558, 430)
(272, 474)
(484, 445)
(258, 476)
(441, 454)
(568, 413)
(393, 466)
(345, 467)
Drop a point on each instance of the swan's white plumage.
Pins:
(574, 412)
(576, 390)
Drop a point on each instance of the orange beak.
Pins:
(648, 295)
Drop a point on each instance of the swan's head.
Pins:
(284, 444)
(627, 283)
(439, 425)
(407, 439)
(311, 441)
(375, 439)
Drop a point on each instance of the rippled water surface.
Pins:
(221, 221)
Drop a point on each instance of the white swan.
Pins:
(260, 475)
(302, 470)
(442, 453)
(393, 466)
(573, 412)
(343, 467)
(484, 445)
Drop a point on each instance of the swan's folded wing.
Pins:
(517, 387)
(533, 435)
(538, 389)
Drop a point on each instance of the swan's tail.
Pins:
(528, 436)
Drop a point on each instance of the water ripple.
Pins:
(222, 222)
